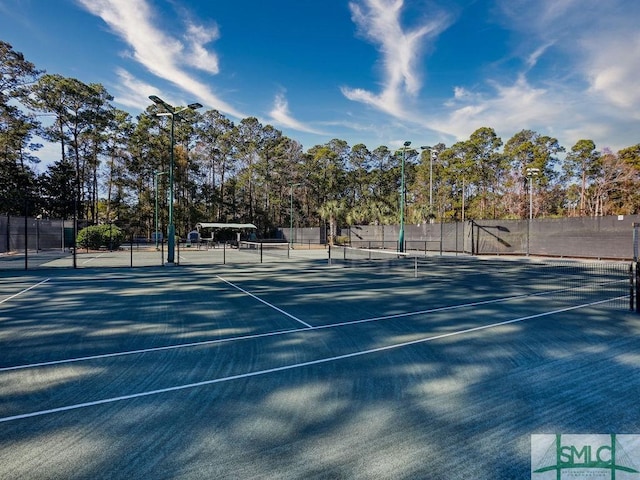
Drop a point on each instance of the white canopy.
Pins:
(233, 226)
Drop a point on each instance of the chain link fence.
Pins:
(27, 242)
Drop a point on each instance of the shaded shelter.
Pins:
(237, 228)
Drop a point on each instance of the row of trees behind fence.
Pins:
(109, 165)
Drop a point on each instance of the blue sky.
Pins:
(377, 72)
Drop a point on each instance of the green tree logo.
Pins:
(580, 456)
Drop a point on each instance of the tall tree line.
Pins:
(109, 165)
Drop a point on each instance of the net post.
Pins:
(261, 252)
(329, 250)
(415, 266)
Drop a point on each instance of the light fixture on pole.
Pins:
(402, 198)
(173, 112)
(531, 172)
(156, 174)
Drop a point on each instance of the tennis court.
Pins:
(371, 368)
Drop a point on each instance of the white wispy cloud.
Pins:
(601, 41)
(281, 116)
(505, 107)
(612, 69)
(379, 22)
(532, 59)
(161, 54)
(591, 90)
(198, 56)
(128, 90)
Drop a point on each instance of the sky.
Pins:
(377, 72)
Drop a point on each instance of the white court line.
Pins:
(253, 336)
(25, 290)
(153, 349)
(93, 258)
(272, 334)
(290, 367)
(265, 302)
(299, 288)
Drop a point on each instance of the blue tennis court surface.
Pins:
(311, 370)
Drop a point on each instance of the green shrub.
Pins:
(96, 236)
(342, 240)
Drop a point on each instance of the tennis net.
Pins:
(387, 259)
(571, 281)
(262, 249)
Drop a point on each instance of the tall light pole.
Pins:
(291, 215)
(173, 112)
(156, 174)
(402, 198)
(531, 172)
(432, 156)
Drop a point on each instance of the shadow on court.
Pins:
(210, 373)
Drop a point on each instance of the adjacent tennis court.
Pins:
(370, 368)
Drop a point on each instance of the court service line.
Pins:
(271, 334)
(255, 335)
(25, 290)
(289, 367)
(154, 349)
(464, 305)
(265, 302)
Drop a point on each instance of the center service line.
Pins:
(265, 302)
(290, 367)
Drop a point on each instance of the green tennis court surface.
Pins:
(142, 255)
(308, 369)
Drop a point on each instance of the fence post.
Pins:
(473, 246)
(637, 286)
(26, 235)
(631, 290)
